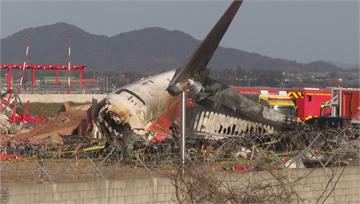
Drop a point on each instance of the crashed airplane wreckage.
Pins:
(149, 108)
(144, 117)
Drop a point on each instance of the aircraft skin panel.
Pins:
(216, 125)
(141, 102)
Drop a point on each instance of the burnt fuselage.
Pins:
(140, 103)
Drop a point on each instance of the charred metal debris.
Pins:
(210, 136)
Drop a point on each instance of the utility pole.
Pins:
(107, 84)
(183, 125)
(24, 64)
(69, 64)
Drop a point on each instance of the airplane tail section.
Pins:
(203, 54)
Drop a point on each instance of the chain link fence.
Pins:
(198, 180)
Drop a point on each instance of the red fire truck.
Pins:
(344, 104)
(309, 101)
(331, 106)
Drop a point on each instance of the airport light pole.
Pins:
(183, 125)
(69, 64)
(176, 90)
(24, 65)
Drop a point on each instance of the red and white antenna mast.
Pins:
(69, 63)
(25, 61)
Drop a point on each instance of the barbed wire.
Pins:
(201, 179)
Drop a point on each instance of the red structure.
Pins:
(314, 103)
(310, 102)
(255, 90)
(11, 99)
(33, 68)
(25, 116)
(348, 105)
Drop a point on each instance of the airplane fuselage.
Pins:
(141, 102)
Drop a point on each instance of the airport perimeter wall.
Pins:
(161, 189)
(60, 98)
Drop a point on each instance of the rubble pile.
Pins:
(302, 146)
(65, 123)
(10, 131)
(4, 124)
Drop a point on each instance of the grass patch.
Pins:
(48, 109)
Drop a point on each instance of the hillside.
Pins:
(150, 49)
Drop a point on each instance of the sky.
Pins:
(300, 30)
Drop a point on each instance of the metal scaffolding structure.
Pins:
(10, 67)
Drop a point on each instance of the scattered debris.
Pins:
(54, 129)
(4, 124)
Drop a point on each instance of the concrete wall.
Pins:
(60, 98)
(148, 190)
(161, 190)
